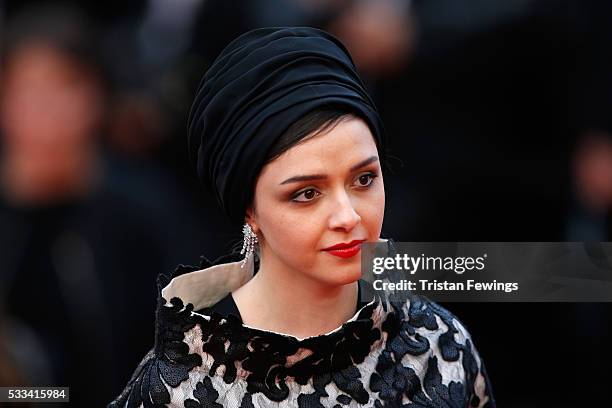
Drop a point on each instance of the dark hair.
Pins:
(310, 125)
(63, 28)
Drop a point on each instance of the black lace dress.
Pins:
(410, 355)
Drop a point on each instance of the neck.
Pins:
(283, 301)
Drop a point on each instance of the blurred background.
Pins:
(499, 118)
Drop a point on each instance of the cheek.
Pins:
(372, 211)
(291, 234)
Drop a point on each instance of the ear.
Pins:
(250, 218)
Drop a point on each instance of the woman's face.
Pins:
(324, 192)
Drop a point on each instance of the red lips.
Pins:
(345, 250)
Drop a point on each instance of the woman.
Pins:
(284, 134)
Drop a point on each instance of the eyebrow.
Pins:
(309, 177)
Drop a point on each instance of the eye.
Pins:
(306, 195)
(365, 179)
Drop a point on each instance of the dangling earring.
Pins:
(248, 245)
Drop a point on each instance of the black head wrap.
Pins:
(261, 83)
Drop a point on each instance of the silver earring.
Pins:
(248, 245)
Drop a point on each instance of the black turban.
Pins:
(261, 83)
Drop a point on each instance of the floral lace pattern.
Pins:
(410, 355)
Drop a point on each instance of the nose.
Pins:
(343, 216)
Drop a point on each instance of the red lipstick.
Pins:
(345, 250)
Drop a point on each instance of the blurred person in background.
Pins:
(592, 176)
(80, 251)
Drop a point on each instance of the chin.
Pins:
(346, 272)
